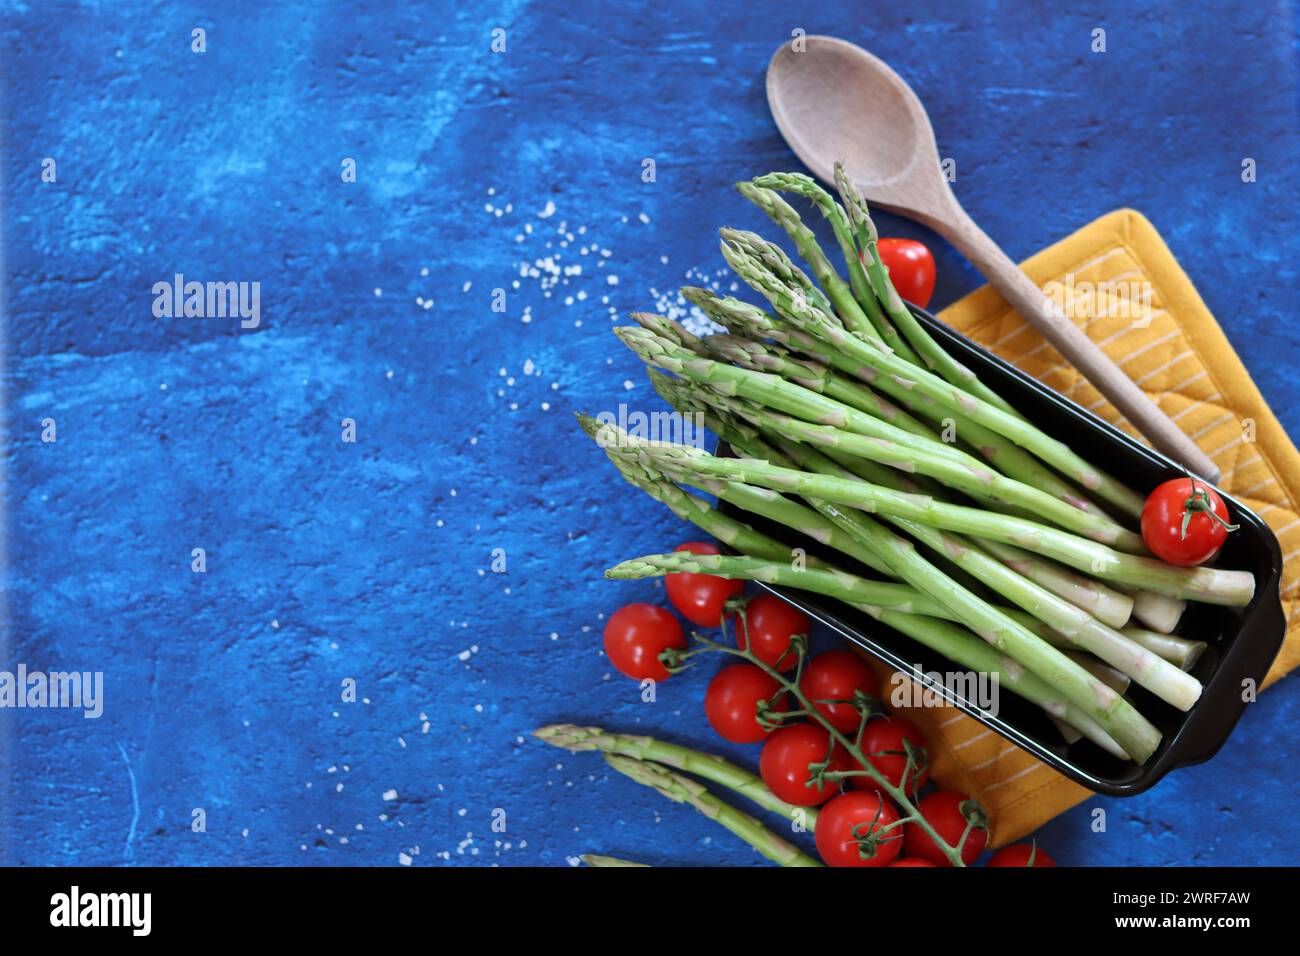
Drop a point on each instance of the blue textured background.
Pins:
(329, 561)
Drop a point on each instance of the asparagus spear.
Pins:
(752, 258)
(1157, 611)
(1115, 680)
(670, 330)
(1071, 735)
(595, 859)
(832, 583)
(681, 789)
(638, 747)
(685, 463)
(749, 321)
(1107, 605)
(1103, 602)
(1177, 650)
(1144, 665)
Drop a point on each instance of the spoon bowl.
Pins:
(833, 100)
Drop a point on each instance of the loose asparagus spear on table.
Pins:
(681, 789)
(638, 747)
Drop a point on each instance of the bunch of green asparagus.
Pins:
(857, 431)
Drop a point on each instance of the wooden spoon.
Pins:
(834, 101)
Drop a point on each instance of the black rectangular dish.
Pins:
(1242, 641)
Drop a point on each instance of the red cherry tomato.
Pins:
(884, 744)
(731, 702)
(636, 635)
(851, 830)
(784, 762)
(835, 675)
(946, 812)
(1018, 854)
(770, 623)
(911, 268)
(1179, 523)
(912, 861)
(700, 597)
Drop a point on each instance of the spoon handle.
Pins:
(1096, 366)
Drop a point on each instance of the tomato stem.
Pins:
(1200, 500)
(868, 844)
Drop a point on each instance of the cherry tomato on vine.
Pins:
(635, 636)
(912, 861)
(835, 675)
(1185, 522)
(700, 597)
(731, 702)
(786, 756)
(947, 812)
(851, 830)
(770, 623)
(1019, 854)
(887, 738)
(911, 268)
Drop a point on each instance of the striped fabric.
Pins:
(1118, 281)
